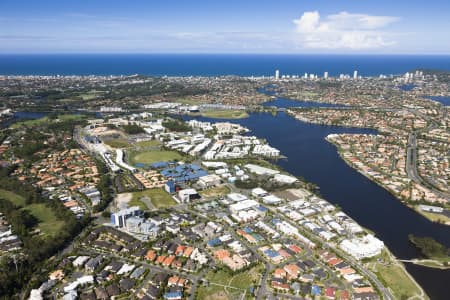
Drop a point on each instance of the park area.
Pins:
(215, 192)
(152, 156)
(47, 120)
(392, 274)
(147, 144)
(48, 223)
(117, 143)
(224, 285)
(225, 114)
(121, 142)
(151, 198)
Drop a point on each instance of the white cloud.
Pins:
(343, 31)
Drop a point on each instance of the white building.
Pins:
(266, 150)
(229, 128)
(119, 218)
(236, 197)
(214, 164)
(111, 109)
(271, 199)
(88, 279)
(258, 170)
(432, 209)
(359, 248)
(141, 226)
(259, 192)
(285, 178)
(205, 126)
(187, 195)
(243, 205)
(208, 181)
(277, 74)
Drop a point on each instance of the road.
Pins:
(411, 167)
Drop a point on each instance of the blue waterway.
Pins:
(407, 87)
(215, 64)
(286, 103)
(444, 100)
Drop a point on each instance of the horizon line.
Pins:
(223, 53)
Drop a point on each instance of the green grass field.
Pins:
(148, 157)
(93, 94)
(12, 197)
(189, 101)
(117, 143)
(46, 120)
(214, 291)
(238, 284)
(392, 275)
(139, 203)
(225, 114)
(248, 278)
(48, 223)
(146, 144)
(215, 192)
(397, 280)
(158, 197)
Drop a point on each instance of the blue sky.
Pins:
(245, 26)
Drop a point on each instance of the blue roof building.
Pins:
(181, 173)
(173, 295)
(315, 290)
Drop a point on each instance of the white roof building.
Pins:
(187, 195)
(80, 261)
(359, 248)
(265, 150)
(261, 170)
(243, 205)
(214, 164)
(271, 199)
(210, 180)
(285, 178)
(259, 192)
(236, 197)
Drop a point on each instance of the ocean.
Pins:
(216, 64)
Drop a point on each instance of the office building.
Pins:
(119, 218)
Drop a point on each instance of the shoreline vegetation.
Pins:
(435, 255)
(392, 273)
